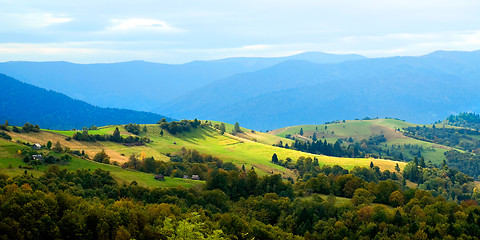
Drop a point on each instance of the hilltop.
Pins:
(393, 130)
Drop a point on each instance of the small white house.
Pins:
(36, 146)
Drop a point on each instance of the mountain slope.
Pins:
(21, 102)
(140, 85)
(417, 89)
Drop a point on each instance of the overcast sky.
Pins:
(180, 31)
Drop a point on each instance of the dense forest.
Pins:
(234, 204)
(466, 120)
(461, 138)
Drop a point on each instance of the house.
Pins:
(36, 146)
(195, 177)
(159, 177)
(37, 157)
(185, 176)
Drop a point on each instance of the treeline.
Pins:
(465, 162)
(115, 137)
(453, 137)
(374, 146)
(174, 127)
(324, 148)
(466, 120)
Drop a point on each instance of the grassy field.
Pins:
(9, 156)
(255, 136)
(363, 129)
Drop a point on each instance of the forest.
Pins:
(325, 202)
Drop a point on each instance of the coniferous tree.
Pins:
(222, 128)
(301, 131)
(236, 128)
(274, 158)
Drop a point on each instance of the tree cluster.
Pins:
(115, 137)
(132, 128)
(466, 120)
(174, 127)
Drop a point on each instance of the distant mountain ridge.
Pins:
(418, 89)
(21, 102)
(141, 85)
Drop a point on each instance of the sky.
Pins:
(180, 31)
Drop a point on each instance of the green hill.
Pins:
(239, 149)
(358, 130)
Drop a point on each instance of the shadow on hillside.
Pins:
(198, 134)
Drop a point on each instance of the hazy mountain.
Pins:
(419, 89)
(142, 85)
(21, 102)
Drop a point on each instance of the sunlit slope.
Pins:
(9, 157)
(207, 141)
(363, 129)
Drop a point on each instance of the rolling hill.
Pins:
(240, 150)
(21, 102)
(358, 130)
(142, 85)
(418, 89)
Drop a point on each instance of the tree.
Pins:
(236, 128)
(102, 157)
(133, 161)
(58, 147)
(397, 168)
(161, 132)
(116, 137)
(362, 196)
(422, 161)
(49, 144)
(371, 164)
(222, 128)
(314, 137)
(274, 158)
(145, 128)
(301, 131)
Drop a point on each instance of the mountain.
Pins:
(21, 102)
(140, 85)
(418, 89)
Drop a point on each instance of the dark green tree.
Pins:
(301, 131)
(314, 137)
(274, 158)
(222, 128)
(236, 128)
(49, 145)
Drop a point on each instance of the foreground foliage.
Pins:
(91, 205)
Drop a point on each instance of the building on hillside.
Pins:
(36, 146)
(185, 177)
(195, 177)
(37, 157)
(159, 177)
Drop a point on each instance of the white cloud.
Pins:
(141, 24)
(31, 20)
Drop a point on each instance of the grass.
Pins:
(9, 156)
(240, 149)
(363, 129)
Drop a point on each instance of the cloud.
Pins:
(145, 24)
(15, 21)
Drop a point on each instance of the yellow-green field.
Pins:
(363, 129)
(240, 149)
(9, 157)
